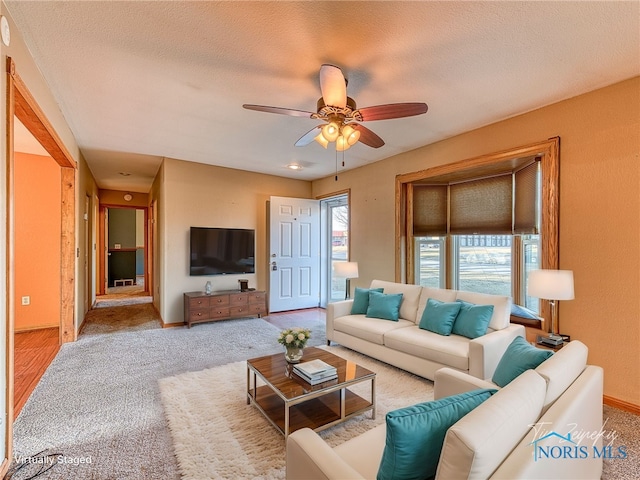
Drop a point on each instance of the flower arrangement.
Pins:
(295, 337)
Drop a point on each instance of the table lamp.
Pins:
(552, 285)
(346, 270)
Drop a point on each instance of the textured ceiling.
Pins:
(138, 81)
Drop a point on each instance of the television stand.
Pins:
(223, 305)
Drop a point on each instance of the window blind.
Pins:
(429, 210)
(526, 202)
(482, 206)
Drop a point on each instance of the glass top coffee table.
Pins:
(290, 403)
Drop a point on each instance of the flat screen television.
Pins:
(221, 251)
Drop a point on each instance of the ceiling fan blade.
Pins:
(367, 136)
(308, 137)
(333, 86)
(280, 110)
(392, 110)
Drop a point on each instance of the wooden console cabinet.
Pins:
(223, 305)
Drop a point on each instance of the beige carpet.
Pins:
(216, 435)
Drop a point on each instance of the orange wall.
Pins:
(37, 241)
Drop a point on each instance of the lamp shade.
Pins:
(321, 140)
(346, 269)
(551, 284)
(331, 131)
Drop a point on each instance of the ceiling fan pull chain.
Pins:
(336, 166)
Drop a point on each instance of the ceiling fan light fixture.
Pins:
(342, 144)
(321, 140)
(331, 131)
(350, 134)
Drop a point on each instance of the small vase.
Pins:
(293, 354)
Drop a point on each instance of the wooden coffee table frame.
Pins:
(290, 403)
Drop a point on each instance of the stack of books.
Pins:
(315, 371)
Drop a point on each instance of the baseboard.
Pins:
(621, 404)
(4, 468)
(36, 327)
(171, 325)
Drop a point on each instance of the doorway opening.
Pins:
(124, 243)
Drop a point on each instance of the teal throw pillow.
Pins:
(415, 435)
(385, 306)
(438, 317)
(519, 357)
(361, 300)
(473, 320)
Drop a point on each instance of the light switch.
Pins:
(26, 300)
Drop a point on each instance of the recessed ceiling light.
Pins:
(294, 166)
(124, 174)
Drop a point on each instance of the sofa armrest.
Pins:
(310, 458)
(336, 310)
(486, 351)
(449, 382)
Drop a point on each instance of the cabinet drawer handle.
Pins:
(199, 314)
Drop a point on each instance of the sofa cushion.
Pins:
(361, 300)
(562, 368)
(410, 296)
(501, 306)
(370, 329)
(452, 350)
(476, 445)
(415, 435)
(442, 294)
(384, 305)
(472, 320)
(438, 317)
(519, 357)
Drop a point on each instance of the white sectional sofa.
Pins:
(419, 351)
(495, 440)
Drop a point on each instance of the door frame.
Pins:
(103, 247)
(22, 105)
(274, 259)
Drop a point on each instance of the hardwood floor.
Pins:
(34, 351)
(307, 318)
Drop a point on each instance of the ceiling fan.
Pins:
(341, 116)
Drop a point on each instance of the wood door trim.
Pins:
(22, 105)
(31, 115)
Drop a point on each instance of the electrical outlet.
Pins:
(26, 300)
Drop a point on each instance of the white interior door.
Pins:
(294, 246)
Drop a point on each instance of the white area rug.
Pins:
(216, 435)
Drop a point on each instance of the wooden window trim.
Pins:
(548, 151)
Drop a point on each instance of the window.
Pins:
(481, 224)
(483, 265)
(429, 262)
(335, 224)
(531, 261)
